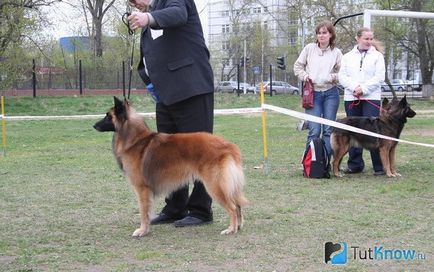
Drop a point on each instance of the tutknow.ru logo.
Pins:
(338, 253)
(335, 253)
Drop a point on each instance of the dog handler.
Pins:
(175, 59)
(361, 74)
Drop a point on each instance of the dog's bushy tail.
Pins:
(235, 177)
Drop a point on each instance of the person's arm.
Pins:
(173, 14)
(336, 67)
(372, 84)
(300, 65)
(345, 74)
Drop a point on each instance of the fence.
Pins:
(58, 80)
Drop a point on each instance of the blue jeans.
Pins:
(325, 105)
(355, 160)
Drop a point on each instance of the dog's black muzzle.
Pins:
(105, 124)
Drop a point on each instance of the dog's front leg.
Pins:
(385, 159)
(145, 198)
(393, 161)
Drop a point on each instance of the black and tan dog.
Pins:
(159, 163)
(390, 123)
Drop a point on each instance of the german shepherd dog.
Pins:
(390, 123)
(159, 163)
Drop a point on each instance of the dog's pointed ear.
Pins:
(385, 102)
(403, 101)
(120, 110)
(117, 101)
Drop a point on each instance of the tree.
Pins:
(18, 19)
(425, 41)
(98, 10)
(414, 39)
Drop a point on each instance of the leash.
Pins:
(355, 103)
(131, 33)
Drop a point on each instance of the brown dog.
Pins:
(156, 163)
(390, 123)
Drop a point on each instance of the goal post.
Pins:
(427, 90)
(368, 13)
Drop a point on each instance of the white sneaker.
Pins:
(302, 125)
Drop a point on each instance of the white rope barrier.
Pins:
(96, 116)
(285, 111)
(316, 119)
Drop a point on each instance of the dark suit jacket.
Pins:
(178, 61)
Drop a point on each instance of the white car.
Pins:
(232, 86)
(280, 87)
(413, 85)
(397, 84)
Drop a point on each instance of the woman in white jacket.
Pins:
(361, 74)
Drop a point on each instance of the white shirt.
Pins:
(366, 69)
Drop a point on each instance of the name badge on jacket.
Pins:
(156, 33)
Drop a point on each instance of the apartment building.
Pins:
(255, 31)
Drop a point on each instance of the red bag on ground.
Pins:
(308, 92)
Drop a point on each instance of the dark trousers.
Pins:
(363, 108)
(191, 115)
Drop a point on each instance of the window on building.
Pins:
(225, 28)
(292, 40)
(225, 45)
(257, 10)
(225, 13)
(397, 73)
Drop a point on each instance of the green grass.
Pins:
(65, 205)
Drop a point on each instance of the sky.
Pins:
(62, 15)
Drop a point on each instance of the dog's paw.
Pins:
(339, 175)
(397, 174)
(227, 231)
(140, 232)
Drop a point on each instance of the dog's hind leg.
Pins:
(232, 211)
(145, 198)
(225, 183)
(220, 193)
(240, 217)
(338, 153)
(240, 202)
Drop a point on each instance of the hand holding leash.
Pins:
(138, 20)
(358, 92)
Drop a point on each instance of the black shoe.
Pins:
(191, 221)
(379, 173)
(352, 171)
(162, 218)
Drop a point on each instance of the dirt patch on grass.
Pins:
(420, 131)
